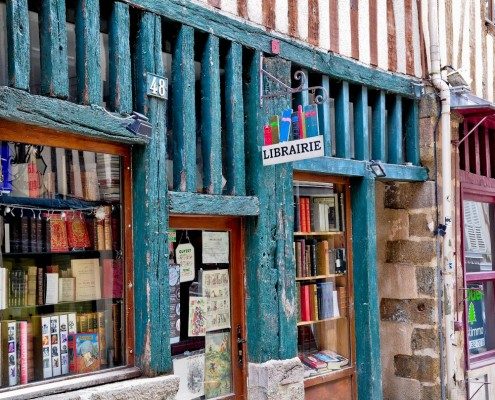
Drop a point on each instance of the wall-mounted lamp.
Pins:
(139, 125)
(377, 168)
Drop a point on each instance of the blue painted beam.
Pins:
(394, 131)
(63, 116)
(53, 49)
(211, 124)
(18, 43)
(120, 83)
(234, 122)
(151, 216)
(207, 204)
(256, 37)
(404, 173)
(361, 132)
(342, 122)
(378, 124)
(324, 117)
(270, 265)
(367, 314)
(89, 84)
(184, 115)
(412, 131)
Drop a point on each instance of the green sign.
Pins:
(476, 319)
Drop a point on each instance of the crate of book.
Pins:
(62, 263)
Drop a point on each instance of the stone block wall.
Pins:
(407, 273)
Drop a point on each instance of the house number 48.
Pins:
(157, 86)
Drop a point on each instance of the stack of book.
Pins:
(319, 213)
(321, 362)
(315, 258)
(108, 171)
(318, 301)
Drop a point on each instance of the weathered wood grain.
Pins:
(184, 116)
(361, 132)
(17, 105)
(324, 117)
(234, 122)
(394, 131)
(151, 213)
(342, 122)
(53, 49)
(120, 83)
(378, 127)
(89, 85)
(18, 44)
(412, 132)
(205, 204)
(211, 124)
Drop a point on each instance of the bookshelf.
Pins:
(64, 264)
(324, 281)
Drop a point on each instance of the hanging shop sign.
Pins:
(476, 319)
(295, 136)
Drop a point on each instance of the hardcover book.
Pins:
(55, 344)
(42, 347)
(77, 232)
(87, 352)
(58, 234)
(22, 351)
(66, 289)
(64, 343)
(87, 275)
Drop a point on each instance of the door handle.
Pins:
(240, 347)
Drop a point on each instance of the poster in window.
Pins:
(215, 247)
(476, 319)
(191, 371)
(215, 286)
(217, 364)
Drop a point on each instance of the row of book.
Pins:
(84, 280)
(61, 232)
(32, 171)
(315, 258)
(322, 361)
(319, 213)
(322, 300)
(300, 124)
(59, 344)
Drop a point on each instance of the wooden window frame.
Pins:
(37, 135)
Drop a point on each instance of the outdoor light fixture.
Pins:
(456, 79)
(139, 125)
(377, 168)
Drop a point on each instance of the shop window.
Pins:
(62, 266)
(323, 277)
(480, 278)
(3, 46)
(206, 308)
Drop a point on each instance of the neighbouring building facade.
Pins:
(169, 256)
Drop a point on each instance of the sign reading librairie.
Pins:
(293, 150)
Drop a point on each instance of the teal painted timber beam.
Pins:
(53, 49)
(211, 124)
(367, 314)
(18, 43)
(361, 132)
(324, 117)
(120, 84)
(234, 123)
(356, 168)
(270, 265)
(394, 131)
(207, 204)
(342, 122)
(412, 131)
(188, 12)
(184, 115)
(378, 124)
(60, 115)
(89, 85)
(152, 338)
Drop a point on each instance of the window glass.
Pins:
(62, 265)
(478, 237)
(481, 317)
(200, 310)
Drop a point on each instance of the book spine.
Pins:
(12, 352)
(297, 216)
(72, 330)
(23, 352)
(298, 258)
(64, 345)
(285, 124)
(267, 135)
(296, 132)
(55, 344)
(305, 303)
(102, 339)
(307, 214)
(107, 233)
(301, 121)
(117, 333)
(100, 234)
(30, 352)
(311, 115)
(312, 257)
(7, 238)
(115, 223)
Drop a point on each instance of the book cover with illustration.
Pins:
(87, 352)
(218, 373)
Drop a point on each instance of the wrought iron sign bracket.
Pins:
(285, 90)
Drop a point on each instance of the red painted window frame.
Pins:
(470, 189)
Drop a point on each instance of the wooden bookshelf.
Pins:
(327, 233)
(302, 323)
(316, 277)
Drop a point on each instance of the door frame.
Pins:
(234, 225)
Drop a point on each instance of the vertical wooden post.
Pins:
(151, 215)
(89, 85)
(53, 48)
(324, 118)
(366, 307)
(342, 123)
(270, 265)
(18, 43)
(378, 127)
(120, 84)
(412, 132)
(211, 134)
(184, 115)
(234, 122)
(394, 128)
(361, 135)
